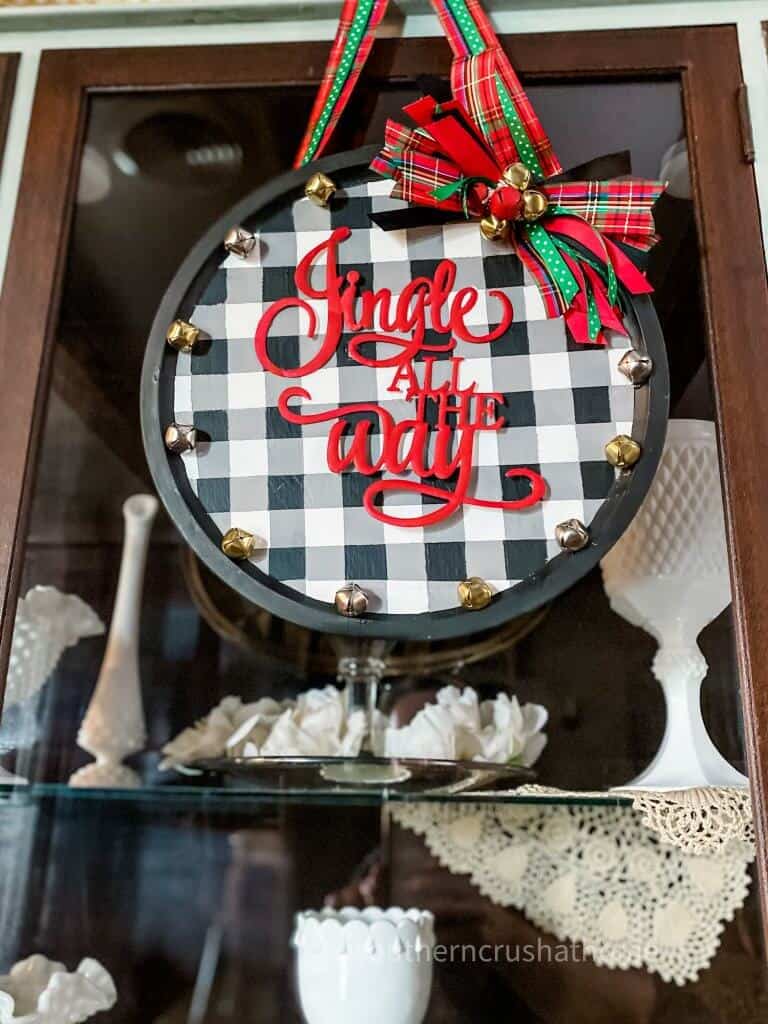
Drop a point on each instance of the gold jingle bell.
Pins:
(493, 228)
(351, 600)
(238, 543)
(517, 176)
(622, 452)
(319, 189)
(535, 204)
(182, 335)
(475, 593)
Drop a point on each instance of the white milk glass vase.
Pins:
(113, 726)
(368, 965)
(668, 574)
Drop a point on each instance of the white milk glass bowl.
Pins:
(368, 965)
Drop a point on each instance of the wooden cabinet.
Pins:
(132, 151)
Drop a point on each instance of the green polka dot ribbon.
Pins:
(469, 35)
(353, 42)
(558, 270)
(469, 32)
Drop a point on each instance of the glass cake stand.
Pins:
(362, 666)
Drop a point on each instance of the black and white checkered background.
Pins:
(257, 471)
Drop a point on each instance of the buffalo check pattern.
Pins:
(253, 469)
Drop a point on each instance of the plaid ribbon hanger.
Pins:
(484, 155)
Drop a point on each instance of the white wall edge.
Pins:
(641, 15)
(754, 69)
(15, 147)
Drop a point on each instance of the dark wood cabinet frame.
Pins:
(705, 60)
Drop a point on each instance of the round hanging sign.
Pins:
(382, 431)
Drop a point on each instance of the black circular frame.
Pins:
(560, 573)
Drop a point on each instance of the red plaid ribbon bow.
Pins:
(485, 154)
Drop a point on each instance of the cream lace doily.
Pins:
(698, 820)
(594, 875)
(702, 819)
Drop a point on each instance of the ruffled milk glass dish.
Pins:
(47, 623)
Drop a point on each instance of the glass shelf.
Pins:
(226, 799)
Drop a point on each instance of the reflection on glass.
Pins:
(188, 898)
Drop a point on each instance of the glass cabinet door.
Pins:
(185, 886)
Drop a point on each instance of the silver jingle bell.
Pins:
(351, 600)
(572, 535)
(240, 242)
(180, 437)
(636, 366)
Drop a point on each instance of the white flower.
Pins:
(255, 724)
(208, 737)
(431, 733)
(315, 725)
(512, 734)
(458, 727)
(464, 708)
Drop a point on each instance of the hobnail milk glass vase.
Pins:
(669, 575)
(368, 965)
